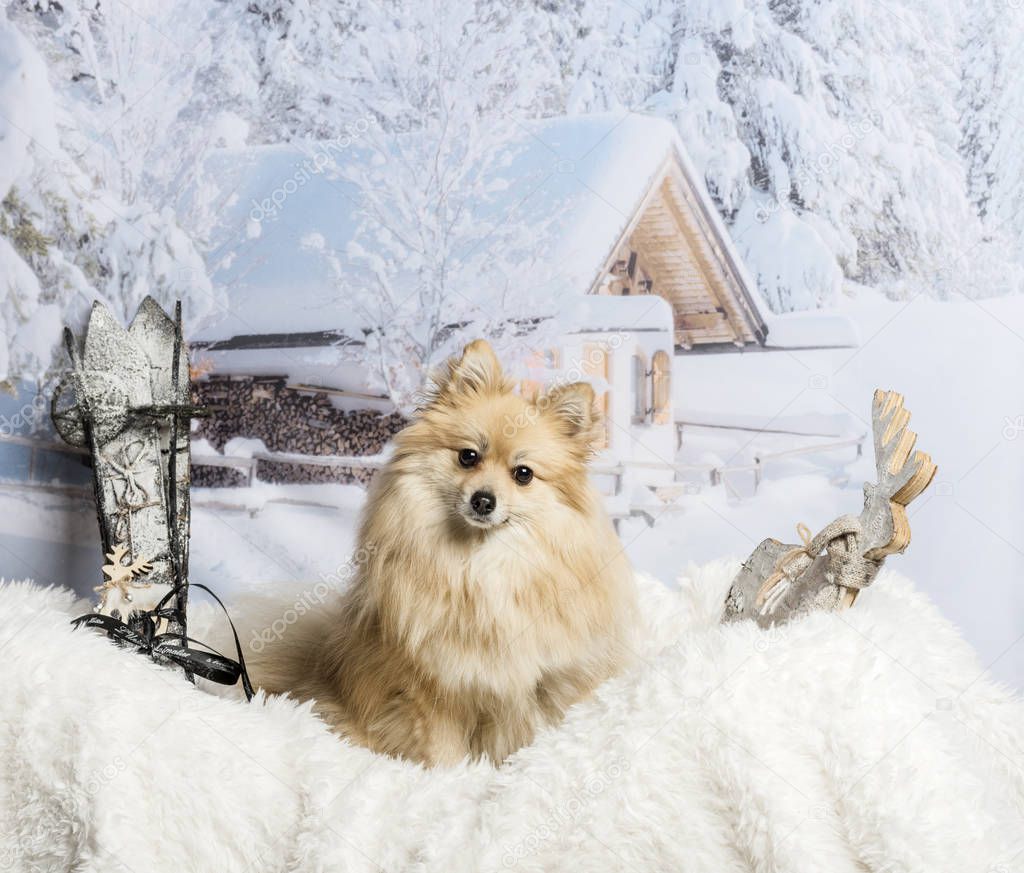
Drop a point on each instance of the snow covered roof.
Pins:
(583, 179)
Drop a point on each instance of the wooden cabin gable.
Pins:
(671, 249)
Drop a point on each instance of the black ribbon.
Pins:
(141, 634)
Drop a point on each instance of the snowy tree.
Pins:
(75, 222)
(993, 114)
(442, 253)
(827, 133)
(137, 75)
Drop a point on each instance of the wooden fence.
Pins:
(712, 474)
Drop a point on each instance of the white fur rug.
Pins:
(869, 741)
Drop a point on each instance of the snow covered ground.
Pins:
(957, 363)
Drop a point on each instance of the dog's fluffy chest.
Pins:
(508, 617)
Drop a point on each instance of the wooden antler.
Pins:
(900, 478)
(780, 580)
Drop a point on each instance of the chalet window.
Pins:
(539, 367)
(624, 275)
(661, 387)
(595, 368)
(639, 388)
(530, 389)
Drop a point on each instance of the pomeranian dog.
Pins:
(494, 592)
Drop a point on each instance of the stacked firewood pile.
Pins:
(287, 420)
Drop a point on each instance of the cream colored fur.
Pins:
(462, 635)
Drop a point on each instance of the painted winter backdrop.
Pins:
(865, 156)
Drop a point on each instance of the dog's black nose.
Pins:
(482, 502)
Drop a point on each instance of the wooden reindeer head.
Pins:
(781, 580)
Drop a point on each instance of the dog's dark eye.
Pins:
(522, 475)
(469, 457)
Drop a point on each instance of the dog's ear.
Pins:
(476, 371)
(572, 406)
